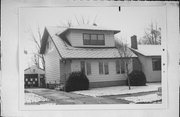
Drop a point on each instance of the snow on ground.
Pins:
(118, 90)
(143, 99)
(33, 98)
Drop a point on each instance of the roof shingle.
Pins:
(69, 52)
(149, 50)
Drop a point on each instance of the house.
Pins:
(34, 77)
(150, 58)
(90, 49)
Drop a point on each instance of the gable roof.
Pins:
(148, 50)
(69, 52)
(34, 67)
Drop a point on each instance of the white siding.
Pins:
(95, 76)
(65, 70)
(151, 76)
(52, 70)
(75, 37)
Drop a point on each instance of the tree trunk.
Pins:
(127, 72)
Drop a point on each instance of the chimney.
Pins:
(134, 42)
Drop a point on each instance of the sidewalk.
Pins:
(119, 90)
(106, 95)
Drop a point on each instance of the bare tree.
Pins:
(125, 57)
(37, 57)
(152, 35)
(79, 21)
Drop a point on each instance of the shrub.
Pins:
(137, 78)
(77, 81)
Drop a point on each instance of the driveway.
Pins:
(107, 95)
(60, 97)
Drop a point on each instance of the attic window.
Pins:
(93, 39)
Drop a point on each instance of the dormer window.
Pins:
(93, 39)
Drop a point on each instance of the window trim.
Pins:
(86, 67)
(118, 67)
(153, 62)
(102, 70)
(97, 41)
(122, 68)
(84, 70)
(103, 67)
(106, 63)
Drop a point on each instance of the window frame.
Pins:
(106, 64)
(101, 70)
(91, 41)
(88, 68)
(103, 66)
(156, 64)
(118, 67)
(84, 67)
(121, 67)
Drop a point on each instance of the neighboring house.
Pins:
(34, 77)
(90, 49)
(150, 58)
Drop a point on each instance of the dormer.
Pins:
(89, 36)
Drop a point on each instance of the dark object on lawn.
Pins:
(77, 81)
(137, 78)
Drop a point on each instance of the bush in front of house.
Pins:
(77, 81)
(137, 78)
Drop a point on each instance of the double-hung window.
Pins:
(117, 67)
(86, 68)
(156, 64)
(93, 39)
(120, 67)
(106, 68)
(103, 68)
(83, 67)
(100, 67)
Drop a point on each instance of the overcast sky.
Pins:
(130, 20)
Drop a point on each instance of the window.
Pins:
(117, 67)
(156, 64)
(82, 66)
(106, 68)
(100, 67)
(93, 39)
(103, 68)
(88, 68)
(122, 67)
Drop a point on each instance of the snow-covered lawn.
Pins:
(118, 90)
(33, 98)
(143, 99)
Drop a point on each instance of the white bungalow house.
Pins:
(84, 48)
(34, 77)
(150, 58)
